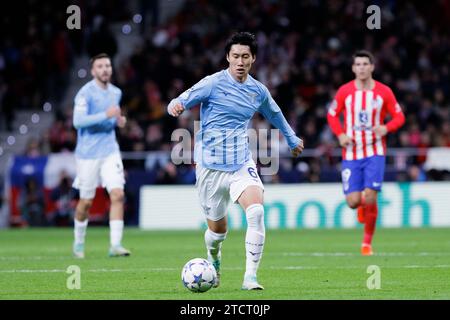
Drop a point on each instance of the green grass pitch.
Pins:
(296, 265)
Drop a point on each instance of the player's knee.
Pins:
(217, 236)
(370, 196)
(218, 228)
(255, 216)
(85, 204)
(117, 196)
(353, 203)
(371, 200)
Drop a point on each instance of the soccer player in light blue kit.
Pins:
(96, 114)
(225, 169)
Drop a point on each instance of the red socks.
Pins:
(370, 215)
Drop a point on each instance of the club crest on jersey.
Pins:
(363, 117)
(253, 96)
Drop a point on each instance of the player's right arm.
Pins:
(198, 93)
(336, 107)
(81, 118)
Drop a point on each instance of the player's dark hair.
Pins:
(243, 38)
(363, 54)
(98, 56)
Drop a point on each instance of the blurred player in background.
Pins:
(365, 103)
(225, 169)
(97, 153)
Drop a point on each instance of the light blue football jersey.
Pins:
(227, 106)
(96, 136)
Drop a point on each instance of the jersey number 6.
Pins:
(252, 172)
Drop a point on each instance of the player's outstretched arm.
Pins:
(278, 120)
(195, 95)
(273, 114)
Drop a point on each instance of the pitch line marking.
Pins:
(351, 254)
(441, 266)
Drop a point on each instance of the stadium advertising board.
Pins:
(302, 206)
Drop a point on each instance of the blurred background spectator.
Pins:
(65, 199)
(32, 204)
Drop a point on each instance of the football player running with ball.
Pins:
(225, 170)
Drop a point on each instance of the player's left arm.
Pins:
(81, 116)
(394, 109)
(272, 112)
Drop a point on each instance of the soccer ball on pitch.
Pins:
(198, 275)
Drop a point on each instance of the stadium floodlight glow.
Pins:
(82, 73)
(126, 29)
(23, 129)
(11, 140)
(35, 118)
(137, 18)
(47, 107)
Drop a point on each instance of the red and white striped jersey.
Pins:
(363, 110)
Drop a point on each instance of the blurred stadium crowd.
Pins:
(304, 55)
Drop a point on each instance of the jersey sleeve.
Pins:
(119, 99)
(272, 112)
(336, 107)
(81, 118)
(394, 109)
(112, 122)
(197, 94)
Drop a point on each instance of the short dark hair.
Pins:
(363, 54)
(243, 38)
(98, 56)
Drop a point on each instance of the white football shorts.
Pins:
(106, 172)
(216, 188)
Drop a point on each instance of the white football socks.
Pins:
(80, 230)
(254, 239)
(213, 243)
(115, 232)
